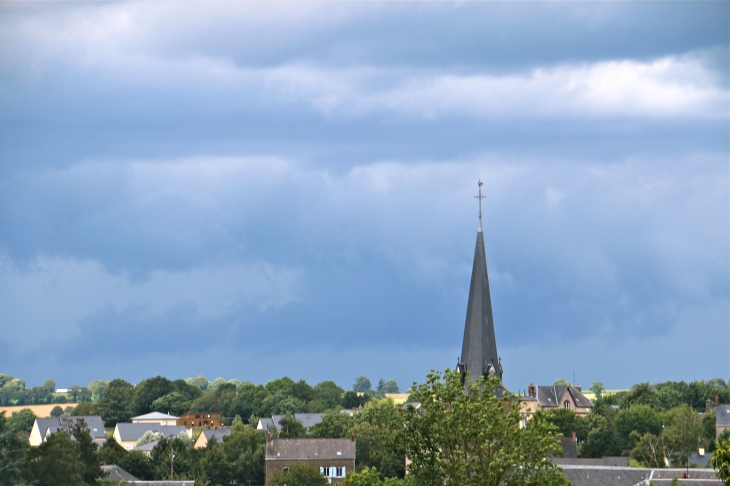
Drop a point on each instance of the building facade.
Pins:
(334, 457)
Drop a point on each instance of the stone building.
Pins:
(334, 457)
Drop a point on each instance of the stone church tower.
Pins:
(479, 350)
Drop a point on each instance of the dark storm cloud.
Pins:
(294, 179)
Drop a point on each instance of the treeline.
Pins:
(14, 392)
(649, 423)
(71, 458)
(119, 401)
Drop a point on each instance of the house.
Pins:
(127, 435)
(309, 420)
(200, 419)
(156, 418)
(599, 475)
(554, 397)
(206, 435)
(147, 448)
(119, 475)
(43, 427)
(333, 457)
(722, 419)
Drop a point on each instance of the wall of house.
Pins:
(274, 465)
(35, 438)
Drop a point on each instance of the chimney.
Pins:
(579, 388)
(269, 439)
(574, 437)
(531, 390)
(352, 436)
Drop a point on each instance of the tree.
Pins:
(12, 455)
(97, 388)
(86, 448)
(561, 382)
(597, 388)
(174, 403)
(328, 393)
(633, 422)
(721, 461)
(641, 394)
(115, 404)
(57, 411)
(567, 422)
(4, 379)
(652, 450)
(298, 475)
(199, 381)
(84, 409)
(15, 384)
(74, 391)
(55, 462)
(362, 384)
(334, 425)
(472, 437)
(290, 427)
(149, 390)
(368, 476)
(377, 428)
(685, 431)
(216, 383)
(149, 436)
(600, 443)
(244, 449)
(189, 391)
(389, 386)
(352, 400)
(22, 421)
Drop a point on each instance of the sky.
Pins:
(254, 190)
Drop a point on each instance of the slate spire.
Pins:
(479, 350)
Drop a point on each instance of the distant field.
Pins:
(42, 411)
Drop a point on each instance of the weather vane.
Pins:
(480, 197)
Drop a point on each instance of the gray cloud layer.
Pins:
(258, 185)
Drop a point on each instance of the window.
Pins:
(338, 473)
(566, 404)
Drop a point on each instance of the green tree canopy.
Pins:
(12, 455)
(56, 411)
(334, 425)
(115, 405)
(474, 438)
(721, 461)
(597, 388)
(298, 475)
(633, 422)
(200, 382)
(174, 403)
(22, 421)
(561, 382)
(328, 393)
(290, 427)
(149, 390)
(55, 462)
(362, 384)
(567, 422)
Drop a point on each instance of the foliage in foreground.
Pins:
(473, 438)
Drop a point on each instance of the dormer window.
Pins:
(566, 404)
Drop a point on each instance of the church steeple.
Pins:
(479, 349)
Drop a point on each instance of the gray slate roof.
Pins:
(549, 396)
(93, 422)
(303, 449)
(217, 433)
(116, 473)
(570, 447)
(633, 476)
(148, 446)
(135, 431)
(722, 416)
(309, 420)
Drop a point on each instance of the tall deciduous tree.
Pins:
(12, 455)
(362, 384)
(290, 428)
(473, 438)
(116, 403)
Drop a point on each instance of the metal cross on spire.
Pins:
(480, 197)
